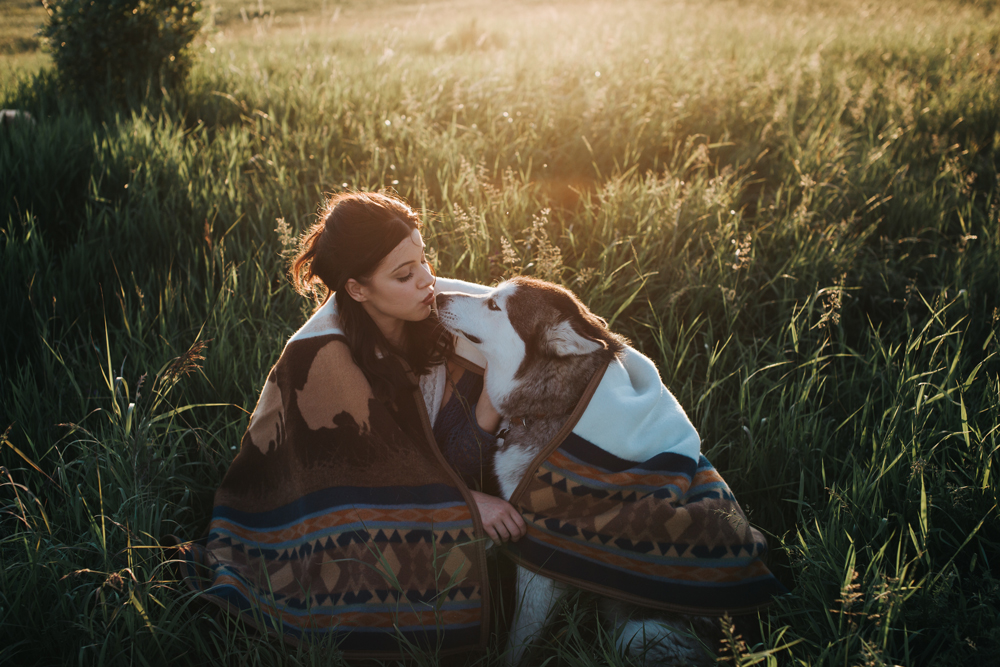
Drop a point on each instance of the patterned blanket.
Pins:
(622, 503)
(340, 517)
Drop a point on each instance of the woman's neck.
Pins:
(396, 336)
(392, 328)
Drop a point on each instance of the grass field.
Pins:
(20, 46)
(793, 209)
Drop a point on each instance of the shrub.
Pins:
(119, 51)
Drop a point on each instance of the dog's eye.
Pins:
(492, 305)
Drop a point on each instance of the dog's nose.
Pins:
(442, 300)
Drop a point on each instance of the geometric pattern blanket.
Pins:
(339, 516)
(652, 523)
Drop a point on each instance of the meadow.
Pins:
(793, 208)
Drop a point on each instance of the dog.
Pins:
(542, 347)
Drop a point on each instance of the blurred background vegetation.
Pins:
(792, 208)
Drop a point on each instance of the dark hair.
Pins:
(355, 233)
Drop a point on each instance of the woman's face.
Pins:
(401, 288)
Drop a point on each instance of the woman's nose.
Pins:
(424, 277)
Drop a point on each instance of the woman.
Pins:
(346, 514)
(369, 256)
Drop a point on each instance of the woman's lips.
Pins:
(429, 300)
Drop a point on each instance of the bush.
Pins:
(119, 51)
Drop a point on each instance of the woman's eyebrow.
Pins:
(411, 261)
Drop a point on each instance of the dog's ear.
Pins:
(563, 340)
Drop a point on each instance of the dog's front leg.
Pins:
(536, 597)
(655, 639)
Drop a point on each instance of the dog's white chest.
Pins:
(511, 464)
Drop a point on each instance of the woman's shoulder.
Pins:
(319, 343)
(322, 355)
(324, 322)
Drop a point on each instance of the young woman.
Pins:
(368, 255)
(358, 507)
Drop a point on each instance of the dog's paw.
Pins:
(662, 643)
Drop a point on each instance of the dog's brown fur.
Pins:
(548, 392)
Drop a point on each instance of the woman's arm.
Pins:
(500, 520)
(486, 415)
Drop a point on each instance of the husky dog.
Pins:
(542, 347)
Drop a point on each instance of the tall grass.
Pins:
(793, 210)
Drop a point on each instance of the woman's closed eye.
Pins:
(403, 279)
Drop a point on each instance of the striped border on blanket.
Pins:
(374, 567)
(665, 533)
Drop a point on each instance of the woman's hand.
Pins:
(501, 521)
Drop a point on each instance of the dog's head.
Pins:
(525, 324)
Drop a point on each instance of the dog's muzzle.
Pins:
(442, 301)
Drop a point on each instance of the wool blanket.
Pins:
(340, 518)
(622, 503)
